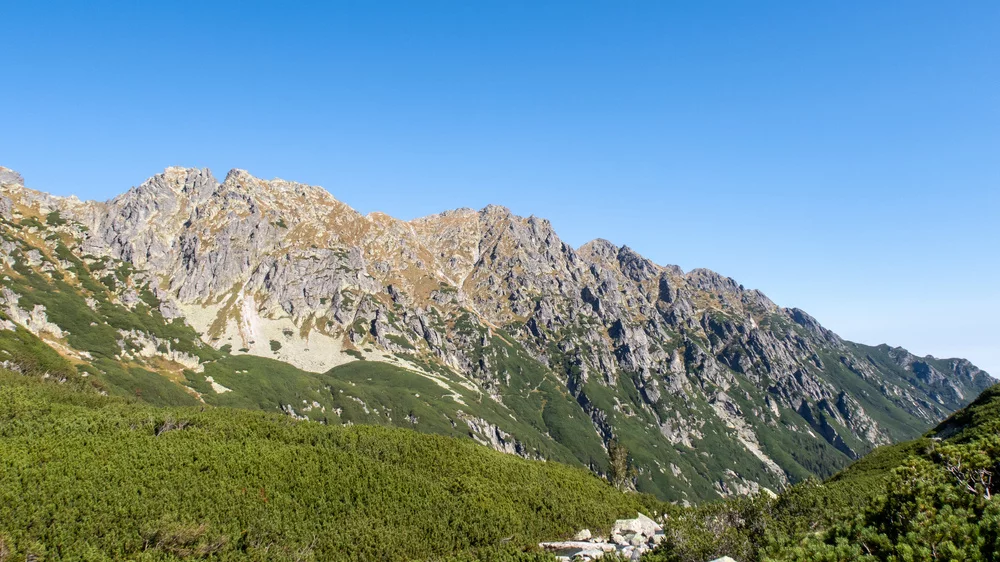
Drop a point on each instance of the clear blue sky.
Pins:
(843, 157)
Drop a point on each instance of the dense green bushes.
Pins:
(83, 476)
(88, 477)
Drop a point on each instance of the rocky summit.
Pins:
(275, 295)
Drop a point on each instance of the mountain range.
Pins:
(274, 295)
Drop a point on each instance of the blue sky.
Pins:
(843, 157)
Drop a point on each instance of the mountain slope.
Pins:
(933, 498)
(89, 477)
(270, 294)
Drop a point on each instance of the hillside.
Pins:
(275, 296)
(83, 476)
(97, 477)
(932, 498)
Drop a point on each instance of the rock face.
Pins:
(8, 176)
(713, 388)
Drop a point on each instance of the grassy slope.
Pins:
(86, 476)
(364, 392)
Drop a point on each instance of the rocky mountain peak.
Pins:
(10, 177)
(282, 200)
(598, 249)
(541, 341)
(14, 194)
(171, 187)
(462, 212)
(493, 210)
(239, 175)
(497, 218)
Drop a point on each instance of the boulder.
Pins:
(641, 525)
(649, 523)
(583, 535)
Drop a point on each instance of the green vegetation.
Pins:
(367, 392)
(96, 327)
(31, 222)
(89, 477)
(400, 341)
(621, 473)
(929, 499)
(54, 219)
(84, 476)
(32, 356)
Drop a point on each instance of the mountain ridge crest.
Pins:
(546, 350)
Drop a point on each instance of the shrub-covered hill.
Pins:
(933, 498)
(84, 476)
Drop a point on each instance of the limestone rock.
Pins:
(641, 525)
(8, 176)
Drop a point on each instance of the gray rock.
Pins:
(10, 177)
(6, 208)
(641, 525)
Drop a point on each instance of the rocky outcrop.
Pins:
(629, 539)
(35, 320)
(490, 435)
(8, 176)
